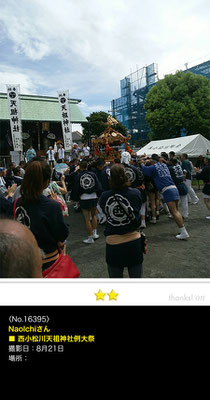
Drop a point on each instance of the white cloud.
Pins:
(108, 35)
(87, 109)
(96, 42)
(11, 76)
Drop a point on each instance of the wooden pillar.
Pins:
(38, 135)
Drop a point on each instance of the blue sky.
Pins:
(88, 46)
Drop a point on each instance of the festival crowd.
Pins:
(124, 195)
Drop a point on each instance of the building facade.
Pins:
(129, 108)
(201, 69)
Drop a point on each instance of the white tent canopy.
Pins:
(193, 145)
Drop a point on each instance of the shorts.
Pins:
(125, 254)
(143, 195)
(171, 194)
(87, 204)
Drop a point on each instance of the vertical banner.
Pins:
(15, 118)
(63, 97)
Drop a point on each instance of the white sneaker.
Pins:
(195, 202)
(143, 224)
(182, 236)
(208, 217)
(89, 240)
(153, 220)
(95, 235)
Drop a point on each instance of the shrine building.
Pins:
(41, 122)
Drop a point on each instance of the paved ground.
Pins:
(167, 257)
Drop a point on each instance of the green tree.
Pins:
(180, 101)
(96, 126)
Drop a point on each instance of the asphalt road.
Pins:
(167, 257)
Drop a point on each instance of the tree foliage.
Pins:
(96, 125)
(180, 101)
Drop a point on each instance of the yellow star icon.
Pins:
(112, 295)
(100, 295)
